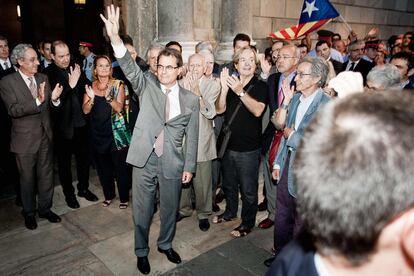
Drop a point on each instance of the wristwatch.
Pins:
(242, 94)
(284, 106)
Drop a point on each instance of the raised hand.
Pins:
(287, 90)
(235, 84)
(112, 23)
(90, 92)
(41, 92)
(264, 64)
(224, 75)
(57, 91)
(74, 75)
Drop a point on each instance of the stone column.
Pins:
(236, 17)
(176, 22)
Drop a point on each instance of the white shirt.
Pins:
(320, 266)
(303, 106)
(3, 63)
(348, 66)
(174, 100)
(27, 81)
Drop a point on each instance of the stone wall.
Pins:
(219, 20)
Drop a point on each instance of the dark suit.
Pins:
(363, 67)
(70, 130)
(177, 156)
(31, 140)
(337, 66)
(297, 258)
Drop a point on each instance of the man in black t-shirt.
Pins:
(240, 163)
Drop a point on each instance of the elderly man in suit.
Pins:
(293, 116)
(286, 61)
(207, 91)
(164, 144)
(27, 96)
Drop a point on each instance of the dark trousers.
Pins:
(78, 146)
(241, 170)
(110, 165)
(287, 223)
(36, 169)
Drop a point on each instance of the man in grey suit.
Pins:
(27, 96)
(164, 144)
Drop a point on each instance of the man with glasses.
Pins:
(310, 77)
(168, 116)
(286, 61)
(356, 63)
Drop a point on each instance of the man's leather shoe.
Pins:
(172, 256)
(88, 195)
(30, 222)
(180, 217)
(72, 202)
(266, 223)
(204, 224)
(262, 206)
(268, 262)
(143, 265)
(51, 217)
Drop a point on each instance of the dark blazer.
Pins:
(337, 66)
(63, 115)
(6, 72)
(272, 92)
(363, 67)
(28, 119)
(296, 258)
(5, 121)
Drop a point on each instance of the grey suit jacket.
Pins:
(28, 119)
(180, 132)
(294, 139)
(209, 89)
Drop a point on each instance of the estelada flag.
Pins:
(315, 13)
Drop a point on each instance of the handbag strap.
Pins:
(238, 107)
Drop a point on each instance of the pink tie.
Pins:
(159, 143)
(280, 97)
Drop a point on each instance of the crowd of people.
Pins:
(181, 134)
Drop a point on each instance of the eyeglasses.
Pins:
(167, 68)
(283, 57)
(300, 74)
(359, 49)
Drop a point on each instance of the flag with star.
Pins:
(314, 14)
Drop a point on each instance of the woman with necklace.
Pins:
(106, 102)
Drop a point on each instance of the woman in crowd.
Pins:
(107, 103)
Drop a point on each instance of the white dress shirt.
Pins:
(303, 106)
(27, 81)
(4, 62)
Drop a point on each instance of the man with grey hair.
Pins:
(27, 97)
(382, 77)
(355, 61)
(203, 45)
(152, 56)
(207, 91)
(294, 115)
(355, 190)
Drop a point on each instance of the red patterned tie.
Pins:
(159, 143)
(280, 97)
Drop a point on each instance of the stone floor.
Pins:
(94, 240)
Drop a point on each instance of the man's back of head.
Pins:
(355, 185)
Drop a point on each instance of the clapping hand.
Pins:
(224, 75)
(264, 64)
(235, 84)
(41, 92)
(57, 92)
(89, 92)
(74, 75)
(287, 90)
